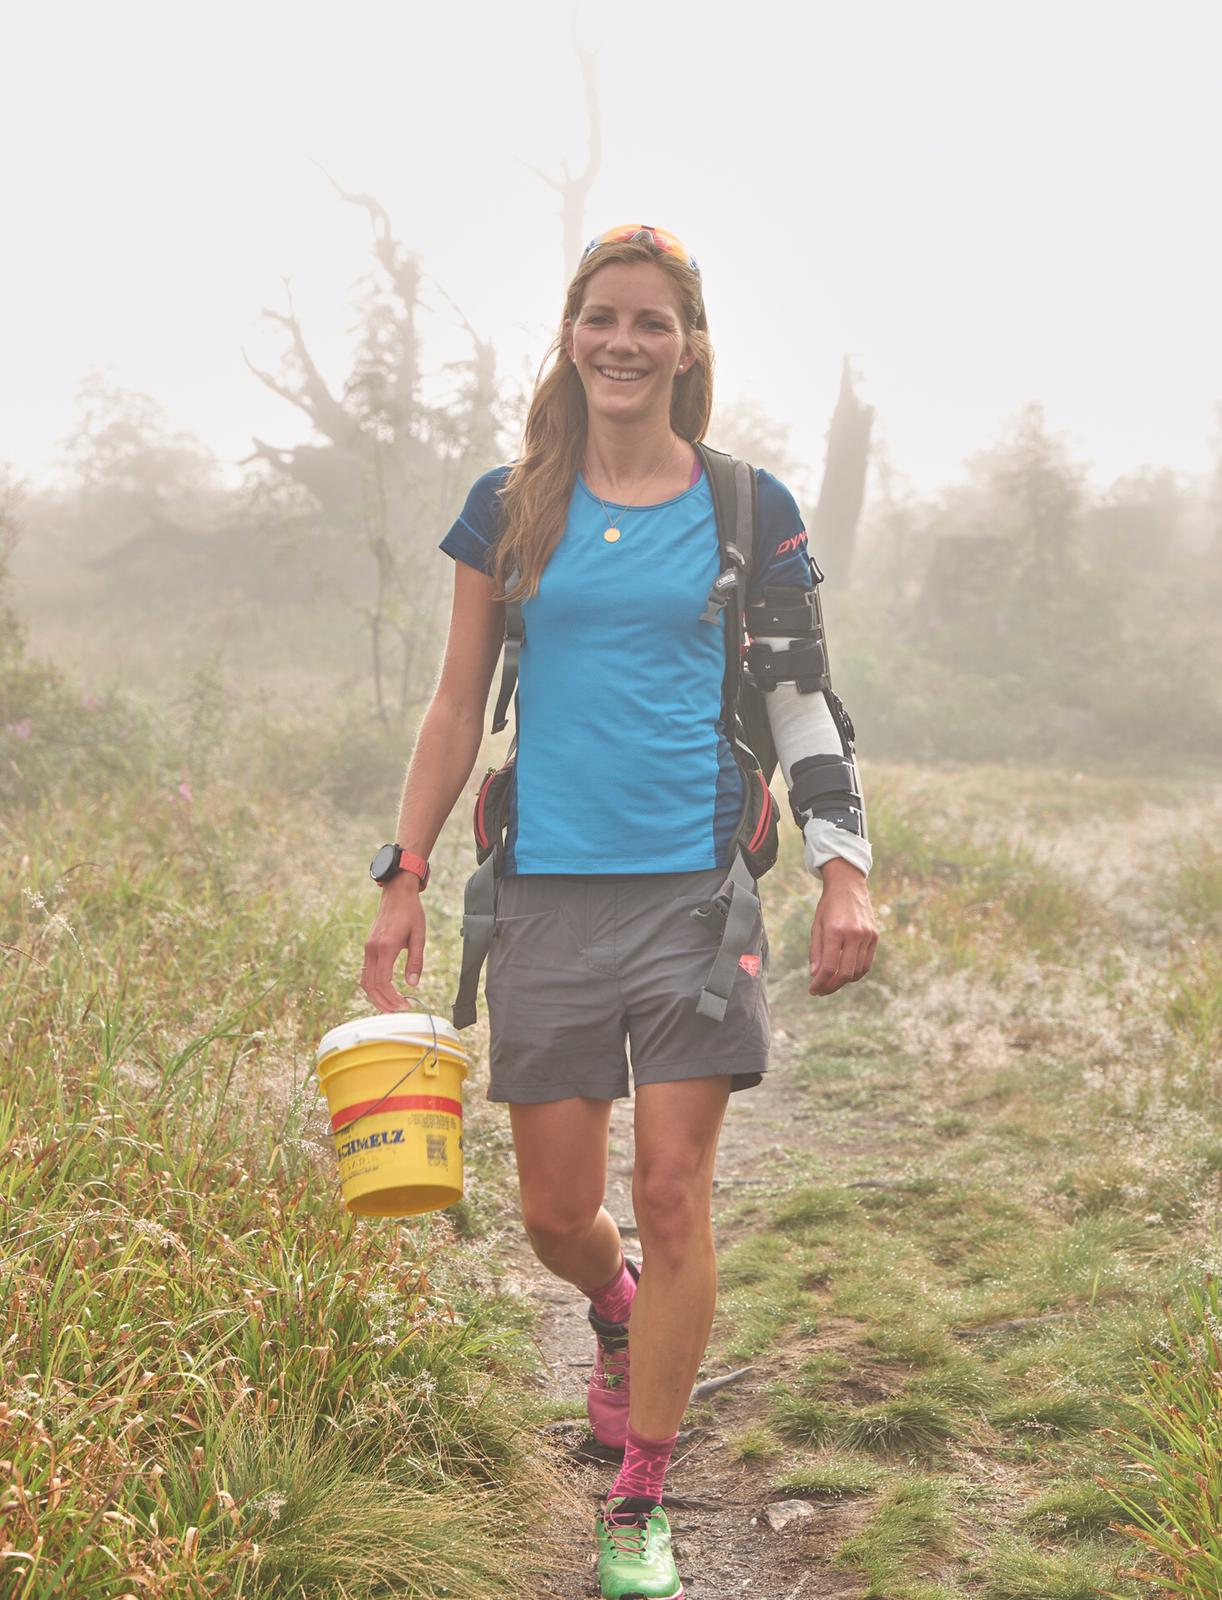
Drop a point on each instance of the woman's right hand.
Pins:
(399, 925)
(447, 745)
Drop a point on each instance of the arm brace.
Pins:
(803, 727)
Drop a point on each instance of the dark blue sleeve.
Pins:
(781, 555)
(477, 527)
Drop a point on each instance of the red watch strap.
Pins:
(416, 864)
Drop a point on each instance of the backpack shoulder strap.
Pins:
(732, 483)
(514, 634)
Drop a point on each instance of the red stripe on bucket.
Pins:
(396, 1102)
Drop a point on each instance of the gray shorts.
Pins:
(579, 965)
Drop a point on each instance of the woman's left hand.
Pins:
(844, 934)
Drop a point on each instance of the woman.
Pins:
(625, 800)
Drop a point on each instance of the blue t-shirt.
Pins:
(623, 763)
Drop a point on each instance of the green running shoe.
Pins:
(634, 1559)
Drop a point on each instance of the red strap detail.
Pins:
(481, 832)
(416, 864)
(396, 1102)
(765, 816)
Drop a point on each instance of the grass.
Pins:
(807, 1208)
(838, 1476)
(956, 1381)
(1018, 1569)
(800, 1419)
(1072, 1511)
(1194, 1006)
(1019, 1156)
(967, 901)
(819, 1373)
(757, 1260)
(1171, 1492)
(318, 1513)
(755, 1444)
(898, 1549)
(918, 1345)
(763, 1280)
(904, 1426)
(1052, 1412)
(1195, 892)
(216, 1383)
(218, 1386)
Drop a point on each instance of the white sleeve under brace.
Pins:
(803, 725)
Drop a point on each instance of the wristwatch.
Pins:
(392, 859)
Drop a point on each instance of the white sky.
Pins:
(981, 203)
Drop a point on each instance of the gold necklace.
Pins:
(612, 534)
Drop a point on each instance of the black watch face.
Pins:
(384, 863)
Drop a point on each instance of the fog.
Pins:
(278, 280)
(981, 205)
(275, 283)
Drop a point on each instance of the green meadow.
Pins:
(214, 1382)
(983, 1274)
(979, 1277)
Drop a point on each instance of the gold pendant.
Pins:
(611, 535)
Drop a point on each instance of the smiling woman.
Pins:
(619, 868)
(629, 389)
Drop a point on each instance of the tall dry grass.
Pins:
(216, 1384)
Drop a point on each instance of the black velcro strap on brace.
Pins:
(804, 662)
(841, 718)
(784, 612)
(826, 786)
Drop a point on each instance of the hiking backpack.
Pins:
(755, 842)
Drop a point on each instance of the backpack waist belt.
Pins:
(737, 904)
(478, 930)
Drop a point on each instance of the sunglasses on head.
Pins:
(667, 243)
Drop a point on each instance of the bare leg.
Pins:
(561, 1146)
(677, 1127)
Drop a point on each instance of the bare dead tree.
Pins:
(843, 489)
(379, 463)
(573, 189)
(309, 392)
(329, 471)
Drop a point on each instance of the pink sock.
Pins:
(613, 1301)
(644, 1468)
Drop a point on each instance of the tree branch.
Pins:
(275, 386)
(314, 397)
(573, 190)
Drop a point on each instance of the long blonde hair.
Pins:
(535, 499)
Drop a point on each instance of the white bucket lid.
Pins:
(408, 1027)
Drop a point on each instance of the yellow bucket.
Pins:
(394, 1090)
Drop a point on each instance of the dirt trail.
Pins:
(715, 1502)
